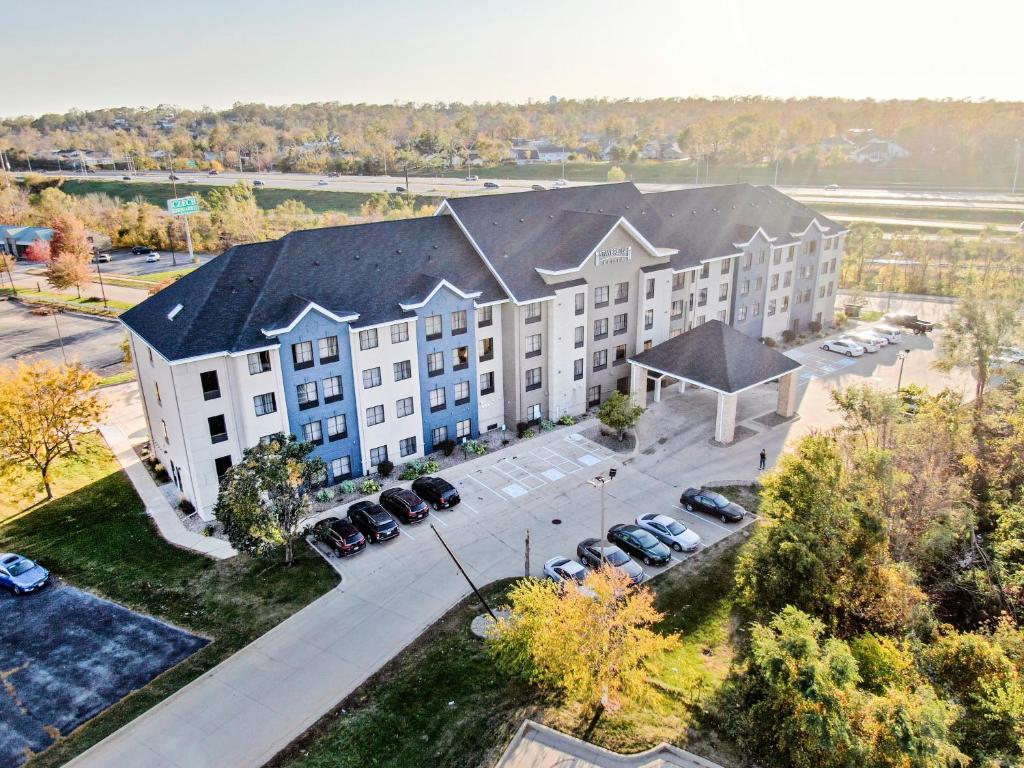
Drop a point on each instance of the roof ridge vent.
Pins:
(521, 219)
(174, 312)
(398, 250)
(435, 246)
(357, 257)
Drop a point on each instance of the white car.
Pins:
(891, 333)
(151, 257)
(669, 531)
(564, 571)
(472, 177)
(844, 346)
(322, 182)
(561, 183)
(869, 341)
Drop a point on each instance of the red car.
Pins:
(404, 504)
(340, 535)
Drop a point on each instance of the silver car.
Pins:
(844, 346)
(869, 341)
(891, 333)
(564, 572)
(669, 531)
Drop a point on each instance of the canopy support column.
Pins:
(725, 418)
(638, 384)
(657, 390)
(786, 407)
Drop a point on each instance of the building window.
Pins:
(329, 346)
(577, 369)
(264, 404)
(758, 282)
(167, 436)
(433, 327)
(762, 255)
(829, 289)
(741, 314)
(259, 362)
(405, 407)
(463, 428)
(579, 303)
(621, 292)
(723, 314)
(486, 349)
(705, 270)
(407, 446)
(577, 336)
(461, 359)
(307, 395)
(677, 309)
(771, 308)
(723, 291)
(222, 464)
(649, 293)
(821, 292)
(678, 281)
(371, 378)
(378, 455)
(748, 261)
(620, 355)
(533, 345)
(403, 370)
(211, 387)
(601, 296)
(785, 303)
(313, 433)
(620, 324)
(601, 329)
(341, 468)
(150, 351)
(534, 413)
(812, 247)
(487, 383)
(218, 428)
(594, 395)
(458, 322)
(533, 312)
(438, 435)
(399, 333)
(156, 389)
(787, 279)
(773, 283)
(435, 363)
(461, 392)
(484, 317)
(337, 427)
(374, 415)
(302, 355)
(648, 344)
(701, 319)
(332, 389)
(533, 379)
(702, 297)
(437, 400)
(791, 253)
(777, 257)
(726, 266)
(600, 359)
(648, 319)
(755, 310)
(744, 288)
(367, 340)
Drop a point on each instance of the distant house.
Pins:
(553, 153)
(14, 241)
(837, 143)
(879, 152)
(524, 155)
(673, 152)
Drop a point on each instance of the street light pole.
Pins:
(600, 482)
(60, 338)
(899, 379)
(103, 290)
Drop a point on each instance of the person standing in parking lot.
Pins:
(764, 459)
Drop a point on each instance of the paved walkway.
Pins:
(157, 506)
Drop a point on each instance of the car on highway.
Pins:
(257, 182)
(373, 521)
(711, 503)
(639, 543)
(492, 185)
(140, 250)
(21, 575)
(472, 177)
(844, 346)
(152, 257)
(561, 183)
(562, 570)
(126, 178)
(871, 342)
(340, 535)
(213, 172)
(102, 258)
(669, 531)
(538, 187)
(333, 174)
(891, 333)
(322, 183)
(831, 187)
(589, 552)
(174, 177)
(436, 491)
(401, 189)
(405, 505)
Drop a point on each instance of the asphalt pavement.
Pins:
(93, 341)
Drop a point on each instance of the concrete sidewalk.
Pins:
(157, 506)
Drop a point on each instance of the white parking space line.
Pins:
(487, 487)
(442, 522)
(402, 530)
(468, 506)
(704, 518)
(517, 473)
(677, 559)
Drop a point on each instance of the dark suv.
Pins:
(373, 520)
(639, 543)
(437, 492)
(141, 250)
(404, 504)
(340, 535)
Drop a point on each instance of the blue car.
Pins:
(20, 574)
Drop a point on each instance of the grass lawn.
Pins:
(91, 304)
(401, 717)
(97, 536)
(145, 282)
(118, 378)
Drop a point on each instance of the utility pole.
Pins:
(463, 572)
(103, 291)
(60, 338)
(7, 268)
(527, 570)
(899, 379)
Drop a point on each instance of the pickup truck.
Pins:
(910, 322)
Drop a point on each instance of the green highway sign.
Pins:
(179, 206)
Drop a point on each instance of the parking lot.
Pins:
(66, 655)
(91, 340)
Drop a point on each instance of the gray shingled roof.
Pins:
(365, 269)
(717, 356)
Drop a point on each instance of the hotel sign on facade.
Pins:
(613, 255)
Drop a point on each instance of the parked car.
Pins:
(891, 333)
(669, 531)
(844, 346)
(870, 341)
(101, 258)
(139, 250)
(436, 491)
(472, 177)
(639, 543)
(909, 321)
(152, 257)
(257, 182)
(589, 553)
(21, 575)
(341, 535)
(538, 187)
(404, 504)
(709, 502)
(492, 185)
(563, 571)
(375, 523)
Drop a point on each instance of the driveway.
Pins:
(66, 655)
(93, 341)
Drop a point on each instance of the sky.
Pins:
(195, 53)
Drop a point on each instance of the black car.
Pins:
(213, 172)
(141, 250)
(401, 189)
(334, 174)
(437, 492)
(340, 535)
(639, 543)
(404, 504)
(126, 178)
(538, 187)
(174, 177)
(589, 553)
(491, 185)
(712, 503)
(373, 520)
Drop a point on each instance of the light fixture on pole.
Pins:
(600, 482)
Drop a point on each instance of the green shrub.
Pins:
(567, 420)
(385, 468)
(788, 336)
(840, 319)
(475, 447)
(528, 433)
(769, 341)
(347, 486)
(547, 425)
(419, 467)
(814, 326)
(369, 485)
(324, 495)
